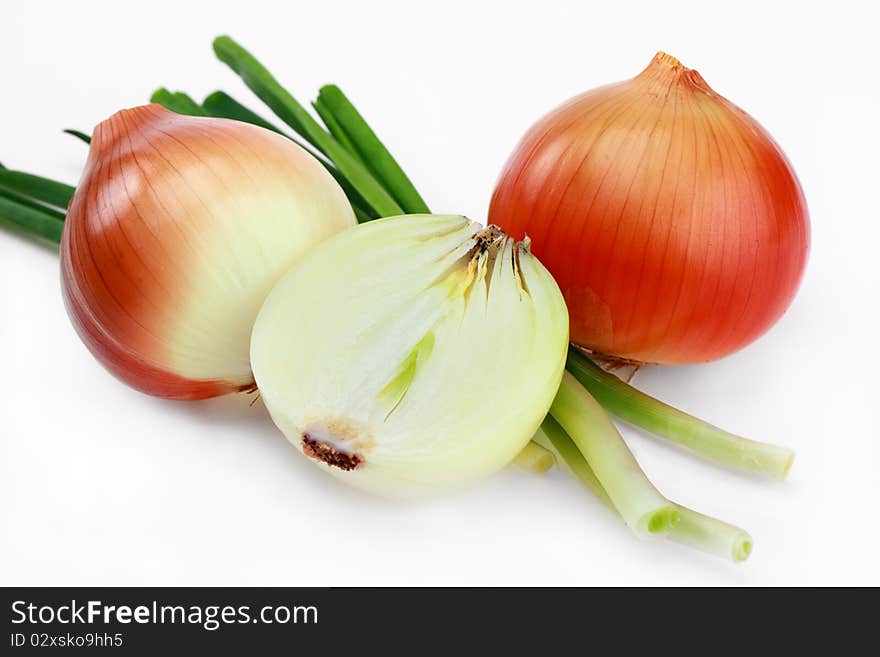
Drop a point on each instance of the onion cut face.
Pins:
(177, 231)
(674, 225)
(412, 353)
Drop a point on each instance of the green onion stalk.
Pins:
(578, 433)
(666, 519)
(695, 435)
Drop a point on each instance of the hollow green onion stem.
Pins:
(711, 535)
(640, 504)
(553, 438)
(177, 102)
(370, 149)
(693, 529)
(33, 221)
(41, 189)
(285, 106)
(710, 442)
(534, 458)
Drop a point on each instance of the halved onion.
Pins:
(412, 353)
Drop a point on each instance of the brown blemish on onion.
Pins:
(328, 454)
(339, 443)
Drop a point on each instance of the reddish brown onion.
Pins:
(178, 229)
(674, 224)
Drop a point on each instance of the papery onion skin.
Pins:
(176, 233)
(673, 223)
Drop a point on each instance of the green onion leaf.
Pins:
(224, 106)
(31, 203)
(285, 106)
(41, 189)
(79, 135)
(31, 220)
(177, 102)
(370, 149)
(337, 131)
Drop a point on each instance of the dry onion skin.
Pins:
(177, 231)
(674, 224)
(412, 353)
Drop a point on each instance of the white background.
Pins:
(101, 485)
